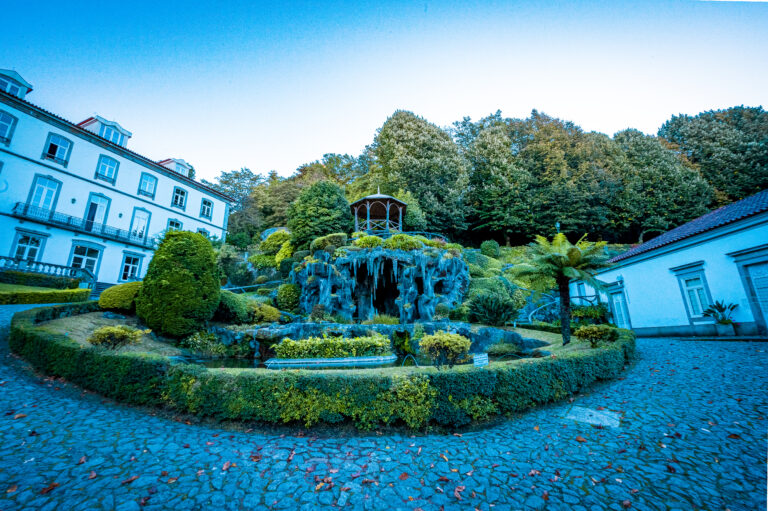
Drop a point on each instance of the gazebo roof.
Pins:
(378, 197)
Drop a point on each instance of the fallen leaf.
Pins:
(404, 476)
(226, 466)
(368, 481)
(143, 501)
(581, 439)
(130, 480)
(172, 480)
(626, 504)
(457, 434)
(319, 485)
(545, 495)
(536, 428)
(534, 472)
(92, 475)
(345, 488)
(734, 436)
(458, 490)
(443, 479)
(82, 460)
(255, 457)
(444, 457)
(333, 470)
(12, 489)
(19, 415)
(671, 469)
(49, 489)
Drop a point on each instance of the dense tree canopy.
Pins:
(319, 210)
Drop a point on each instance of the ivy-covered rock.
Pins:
(181, 289)
(121, 297)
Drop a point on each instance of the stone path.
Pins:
(692, 436)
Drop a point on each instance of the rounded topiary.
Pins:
(444, 348)
(181, 289)
(274, 242)
(368, 242)
(490, 248)
(263, 312)
(337, 239)
(285, 252)
(288, 297)
(120, 298)
(261, 279)
(492, 309)
(232, 308)
(402, 242)
(300, 254)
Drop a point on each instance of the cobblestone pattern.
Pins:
(692, 436)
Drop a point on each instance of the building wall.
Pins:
(21, 160)
(652, 289)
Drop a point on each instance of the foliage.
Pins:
(721, 312)
(444, 348)
(29, 295)
(231, 265)
(114, 337)
(561, 261)
(262, 312)
(274, 242)
(490, 248)
(263, 261)
(382, 319)
(477, 272)
(492, 309)
(503, 350)
(319, 210)
(301, 254)
(288, 297)
(337, 239)
(319, 313)
(181, 289)
(121, 297)
(402, 242)
(240, 240)
(286, 265)
(232, 309)
(333, 347)
(592, 313)
(38, 280)
(460, 313)
(597, 334)
(368, 242)
(285, 252)
(205, 344)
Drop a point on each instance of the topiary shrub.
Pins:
(301, 254)
(37, 280)
(444, 348)
(181, 289)
(319, 313)
(330, 249)
(232, 309)
(492, 309)
(402, 242)
(114, 337)
(319, 210)
(274, 242)
(460, 313)
(368, 242)
(334, 347)
(337, 239)
(263, 312)
(264, 291)
(120, 298)
(490, 248)
(263, 261)
(597, 334)
(288, 297)
(477, 272)
(261, 279)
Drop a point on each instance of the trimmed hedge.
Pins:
(333, 347)
(23, 278)
(121, 297)
(417, 397)
(46, 296)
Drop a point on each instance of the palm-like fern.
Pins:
(563, 261)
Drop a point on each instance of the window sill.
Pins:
(61, 162)
(105, 179)
(183, 208)
(145, 194)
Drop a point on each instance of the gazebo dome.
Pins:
(378, 212)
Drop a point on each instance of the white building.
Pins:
(661, 288)
(73, 195)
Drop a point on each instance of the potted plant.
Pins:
(721, 312)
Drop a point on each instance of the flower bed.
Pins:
(416, 397)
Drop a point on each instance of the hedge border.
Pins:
(448, 398)
(38, 279)
(47, 296)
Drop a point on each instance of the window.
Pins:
(86, 257)
(57, 148)
(174, 225)
(10, 87)
(696, 295)
(147, 185)
(131, 267)
(140, 223)
(179, 198)
(43, 193)
(206, 208)
(28, 247)
(204, 233)
(106, 170)
(111, 134)
(181, 169)
(7, 125)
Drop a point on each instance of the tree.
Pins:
(319, 210)
(238, 184)
(730, 146)
(563, 261)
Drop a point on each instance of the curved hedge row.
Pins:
(368, 398)
(45, 296)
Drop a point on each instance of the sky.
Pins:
(274, 85)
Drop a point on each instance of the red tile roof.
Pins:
(729, 214)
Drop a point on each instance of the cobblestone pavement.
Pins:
(692, 436)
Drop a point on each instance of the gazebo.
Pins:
(378, 212)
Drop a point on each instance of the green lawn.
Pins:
(17, 288)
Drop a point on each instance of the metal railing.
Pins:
(72, 223)
(388, 233)
(55, 270)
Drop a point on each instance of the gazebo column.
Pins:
(357, 228)
(368, 217)
(388, 205)
(400, 222)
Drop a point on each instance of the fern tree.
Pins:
(562, 261)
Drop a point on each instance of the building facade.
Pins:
(74, 195)
(662, 287)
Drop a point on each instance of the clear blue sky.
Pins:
(271, 85)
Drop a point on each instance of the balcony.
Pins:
(71, 223)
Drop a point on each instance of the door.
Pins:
(620, 313)
(758, 273)
(96, 213)
(43, 196)
(139, 224)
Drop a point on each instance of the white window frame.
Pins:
(33, 189)
(204, 232)
(87, 246)
(20, 234)
(104, 161)
(182, 193)
(8, 86)
(132, 275)
(112, 134)
(62, 155)
(134, 230)
(149, 179)
(169, 228)
(10, 121)
(688, 272)
(206, 204)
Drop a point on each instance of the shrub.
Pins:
(286, 265)
(592, 313)
(337, 239)
(44, 296)
(262, 279)
(402, 242)
(597, 334)
(368, 242)
(264, 291)
(301, 254)
(263, 261)
(232, 309)
(286, 251)
(333, 347)
(37, 280)
(490, 248)
(330, 249)
(113, 337)
(204, 343)
(319, 313)
(319, 210)
(477, 272)
(288, 297)
(273, 243)
(478, 286)
(436, 243)
(263, 312)
(444, 348)
(492, 309)
(460, 313)
(382, 319)
(181, 289)
(120, 298)
(503, 349)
